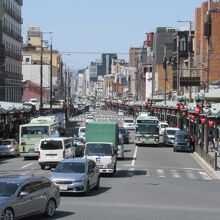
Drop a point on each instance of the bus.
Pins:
(147, 130)
(30, 134)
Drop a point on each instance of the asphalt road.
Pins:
(151, 183)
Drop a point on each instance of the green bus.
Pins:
(147, 130)
(31, 133)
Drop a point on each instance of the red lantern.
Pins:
(183, 113)
(158, 109)
(197, 110)
(155, 110)
(181, 106)
(177, 106)
(211, 123)
(203, 120)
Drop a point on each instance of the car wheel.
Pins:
(50, 208)
(42, 167)
(98, 183)
(87, 189)
(7, 214)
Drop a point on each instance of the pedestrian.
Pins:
(211, 140)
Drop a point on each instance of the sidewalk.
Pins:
(215, 174)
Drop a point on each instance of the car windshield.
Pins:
(171, 132)
(5, 142)
(163, 125)
(122, 131)
(182, 137)
(8, 189)
(128, 121)
(98, 149)
(70, 167)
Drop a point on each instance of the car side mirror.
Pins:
(23, 194)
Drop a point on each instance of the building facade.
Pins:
(11, 42)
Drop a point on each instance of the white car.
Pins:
(129, 124)
(169, 135)
(120, 112)
(82, 132)
(162, 126)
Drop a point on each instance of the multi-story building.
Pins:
(207, 41)
(162, 47)
(11, 43)
(35, 50)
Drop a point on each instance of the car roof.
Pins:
(78, 160)
(172, 128)
(163, 122)
(182, 132)
(128, 119)
(19, 178)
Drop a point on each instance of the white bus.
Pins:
(30, 134)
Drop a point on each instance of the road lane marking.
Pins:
(27, 165)
(190, 175)
(134, 157)
(160, 173)
(204, 175)
(175, 173)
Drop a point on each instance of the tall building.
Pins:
(207, 40)
(10, 50)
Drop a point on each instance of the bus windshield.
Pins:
(32, 130)
(147, 129)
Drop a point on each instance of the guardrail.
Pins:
(210, 159)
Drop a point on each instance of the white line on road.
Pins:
(134, 157)
(175, 174)
(160, 173)
(190, 175)
(204, 175)
(27, 165)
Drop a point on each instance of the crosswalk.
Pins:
(194, 174)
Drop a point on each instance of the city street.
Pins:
(150, 183)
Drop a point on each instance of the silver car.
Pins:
(76, 175)
(169, 135)
(22, 196)
(9, 147)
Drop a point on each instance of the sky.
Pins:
(83, 29)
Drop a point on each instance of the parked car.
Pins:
(120, 153)
(120, 112)
(23, 196)
(79, 145)
(76, 175)
(169, 135)
(129, 124)
(162, 126)
(125, 134)
(182, 141)
(9, 147)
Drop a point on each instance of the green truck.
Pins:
(102, 145)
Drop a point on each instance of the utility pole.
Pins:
(189, 58)
(165, 73)
(51, 77)
(41, 78)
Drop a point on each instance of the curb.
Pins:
(212, 173)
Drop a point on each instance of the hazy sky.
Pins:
(102, 26)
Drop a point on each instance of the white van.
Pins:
(54, 150)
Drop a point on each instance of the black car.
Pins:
(182, 141)
(125, 134)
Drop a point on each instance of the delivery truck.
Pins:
(102, 145)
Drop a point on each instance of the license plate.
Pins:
(63, 187)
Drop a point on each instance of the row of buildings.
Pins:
(169, 63)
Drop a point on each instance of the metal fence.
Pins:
(211, 159)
